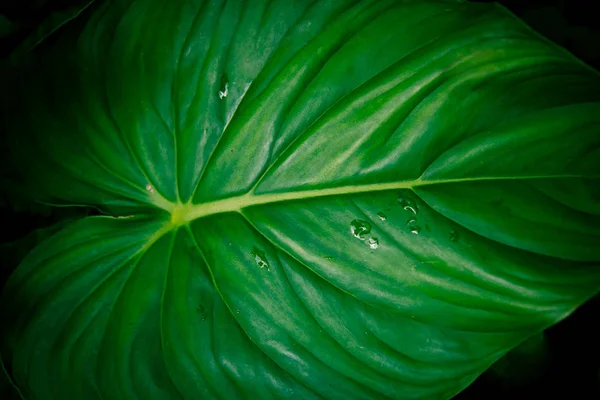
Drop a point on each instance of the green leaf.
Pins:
(12, 253)
(48, 26)
(525, 362)
(334, 199)
(6, 26)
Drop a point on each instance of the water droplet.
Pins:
(453, 235)
(382, 216)
(328, 257)
(223, 93)
(413, 227)
(237, 311)
(150, 188)
(360, 229)
(408, 204)
(202, 312)
(373, 242)
(260, 258)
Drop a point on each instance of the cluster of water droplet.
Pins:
(412, 223)
(410, 205)
(362, 231)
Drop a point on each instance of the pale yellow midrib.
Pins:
(238, 203)
(184, 213)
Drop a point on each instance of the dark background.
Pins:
(562, 363)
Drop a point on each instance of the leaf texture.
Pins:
(334, 199)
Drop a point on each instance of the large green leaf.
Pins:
(331, 199)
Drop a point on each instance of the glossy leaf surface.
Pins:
(333, 199)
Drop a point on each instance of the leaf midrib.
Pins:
(184, 213)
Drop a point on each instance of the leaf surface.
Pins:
(332, 199)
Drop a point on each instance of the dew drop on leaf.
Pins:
(413, 227)
(223, 93)
(202, 312)
(408, 204)
(360, 229)
(382, 216)
(260, 258)
(373, 242)
(453, 236)
(150, 188)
